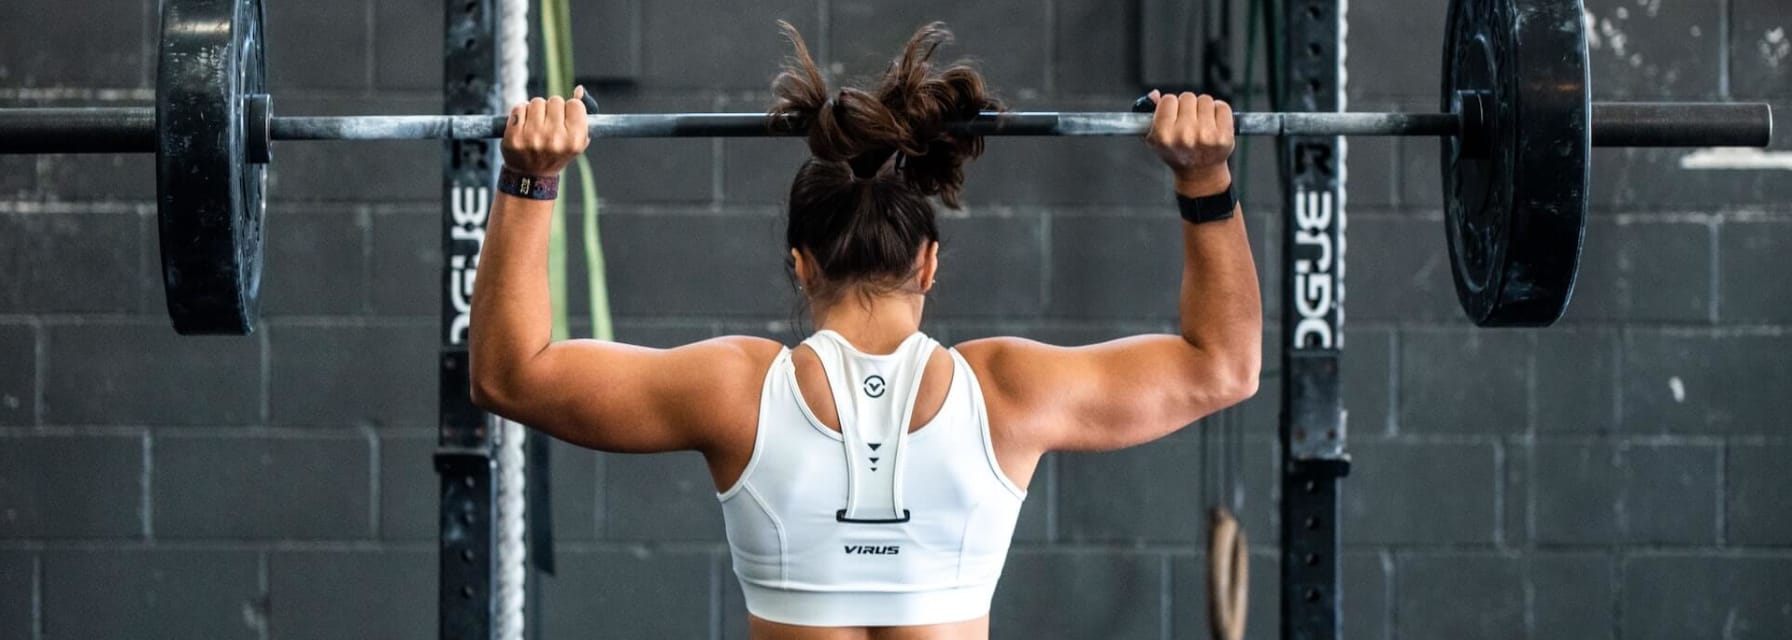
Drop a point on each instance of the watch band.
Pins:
(523, 185)
(1211, 208)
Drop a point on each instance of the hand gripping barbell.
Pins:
(1517, 126)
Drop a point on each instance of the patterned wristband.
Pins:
(523, 185)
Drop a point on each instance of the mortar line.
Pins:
(1499, 494)
(40, 370)
(1166, 602)
(263, 581)
(368, 36)
(1049, 85)
(1395, 370)
(146, 488)
(266, 385)
(1725, 22)
(365, 217)
(37, 597)
(374, 483)
(1723, 491)
(1715, 238)
(715, 597)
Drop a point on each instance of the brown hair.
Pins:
(860, 204)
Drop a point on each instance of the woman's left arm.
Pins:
(603, 395)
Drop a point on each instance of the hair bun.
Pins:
(905, 114)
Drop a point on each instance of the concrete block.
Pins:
(1464, 380)
(407, 44)
(18, 380)
(659, 498)
(1459, 594)
(1594, 494)
(1577, 381)
(1574, 595)
(100, 177)
(990, 266)
(18, 595)
(722, 265)
(1704, 382)
(1747, 260)
(1644, 272)
(1710, 595)
(334, 53)
(1401, 493)
(113, 34)
(141, 372)
(632, 592)
(263, 488)
(391, 594)
(349, 375)
(1654, 50)
(317, 263)
(71, 486)
(71, 262)
(1091, 280)
(1007, 40)
(1760, 53)
(404, 269)
(1757, 510)
(139, 593)
(740, 47)
(1044, 590)
(1402, 271)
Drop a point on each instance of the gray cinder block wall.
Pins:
(1621, 475)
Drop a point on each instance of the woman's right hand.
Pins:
(1194, 135)
(543, 136)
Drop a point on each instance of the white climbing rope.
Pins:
(512, 573)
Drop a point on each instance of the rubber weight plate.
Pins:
(208, 194)
(1515, 192)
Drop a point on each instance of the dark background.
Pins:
(1620, 475)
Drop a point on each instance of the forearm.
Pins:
(1222, 311)
(512, 316)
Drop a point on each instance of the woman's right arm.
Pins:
(1134, 390)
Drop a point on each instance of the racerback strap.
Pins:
(874, 396)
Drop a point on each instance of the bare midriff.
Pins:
(762, 629)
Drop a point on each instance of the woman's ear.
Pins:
(801, 268)
(930, 265)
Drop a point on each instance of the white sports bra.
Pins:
(870, 525)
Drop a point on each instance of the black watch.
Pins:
(1211, 208)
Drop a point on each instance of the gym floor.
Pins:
(1620, 475)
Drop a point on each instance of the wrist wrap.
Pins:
(1211, 208)
(523, 185)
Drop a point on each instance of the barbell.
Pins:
(1517, 123)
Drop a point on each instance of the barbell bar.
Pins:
(1516, 123)
(1614, 124)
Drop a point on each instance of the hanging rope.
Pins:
(510, 590)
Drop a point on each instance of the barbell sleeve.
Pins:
(78, 130)
(1682, 124)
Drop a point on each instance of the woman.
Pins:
(869, 478)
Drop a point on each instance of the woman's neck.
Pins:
(874, 325)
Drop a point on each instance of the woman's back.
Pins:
(864, 519)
